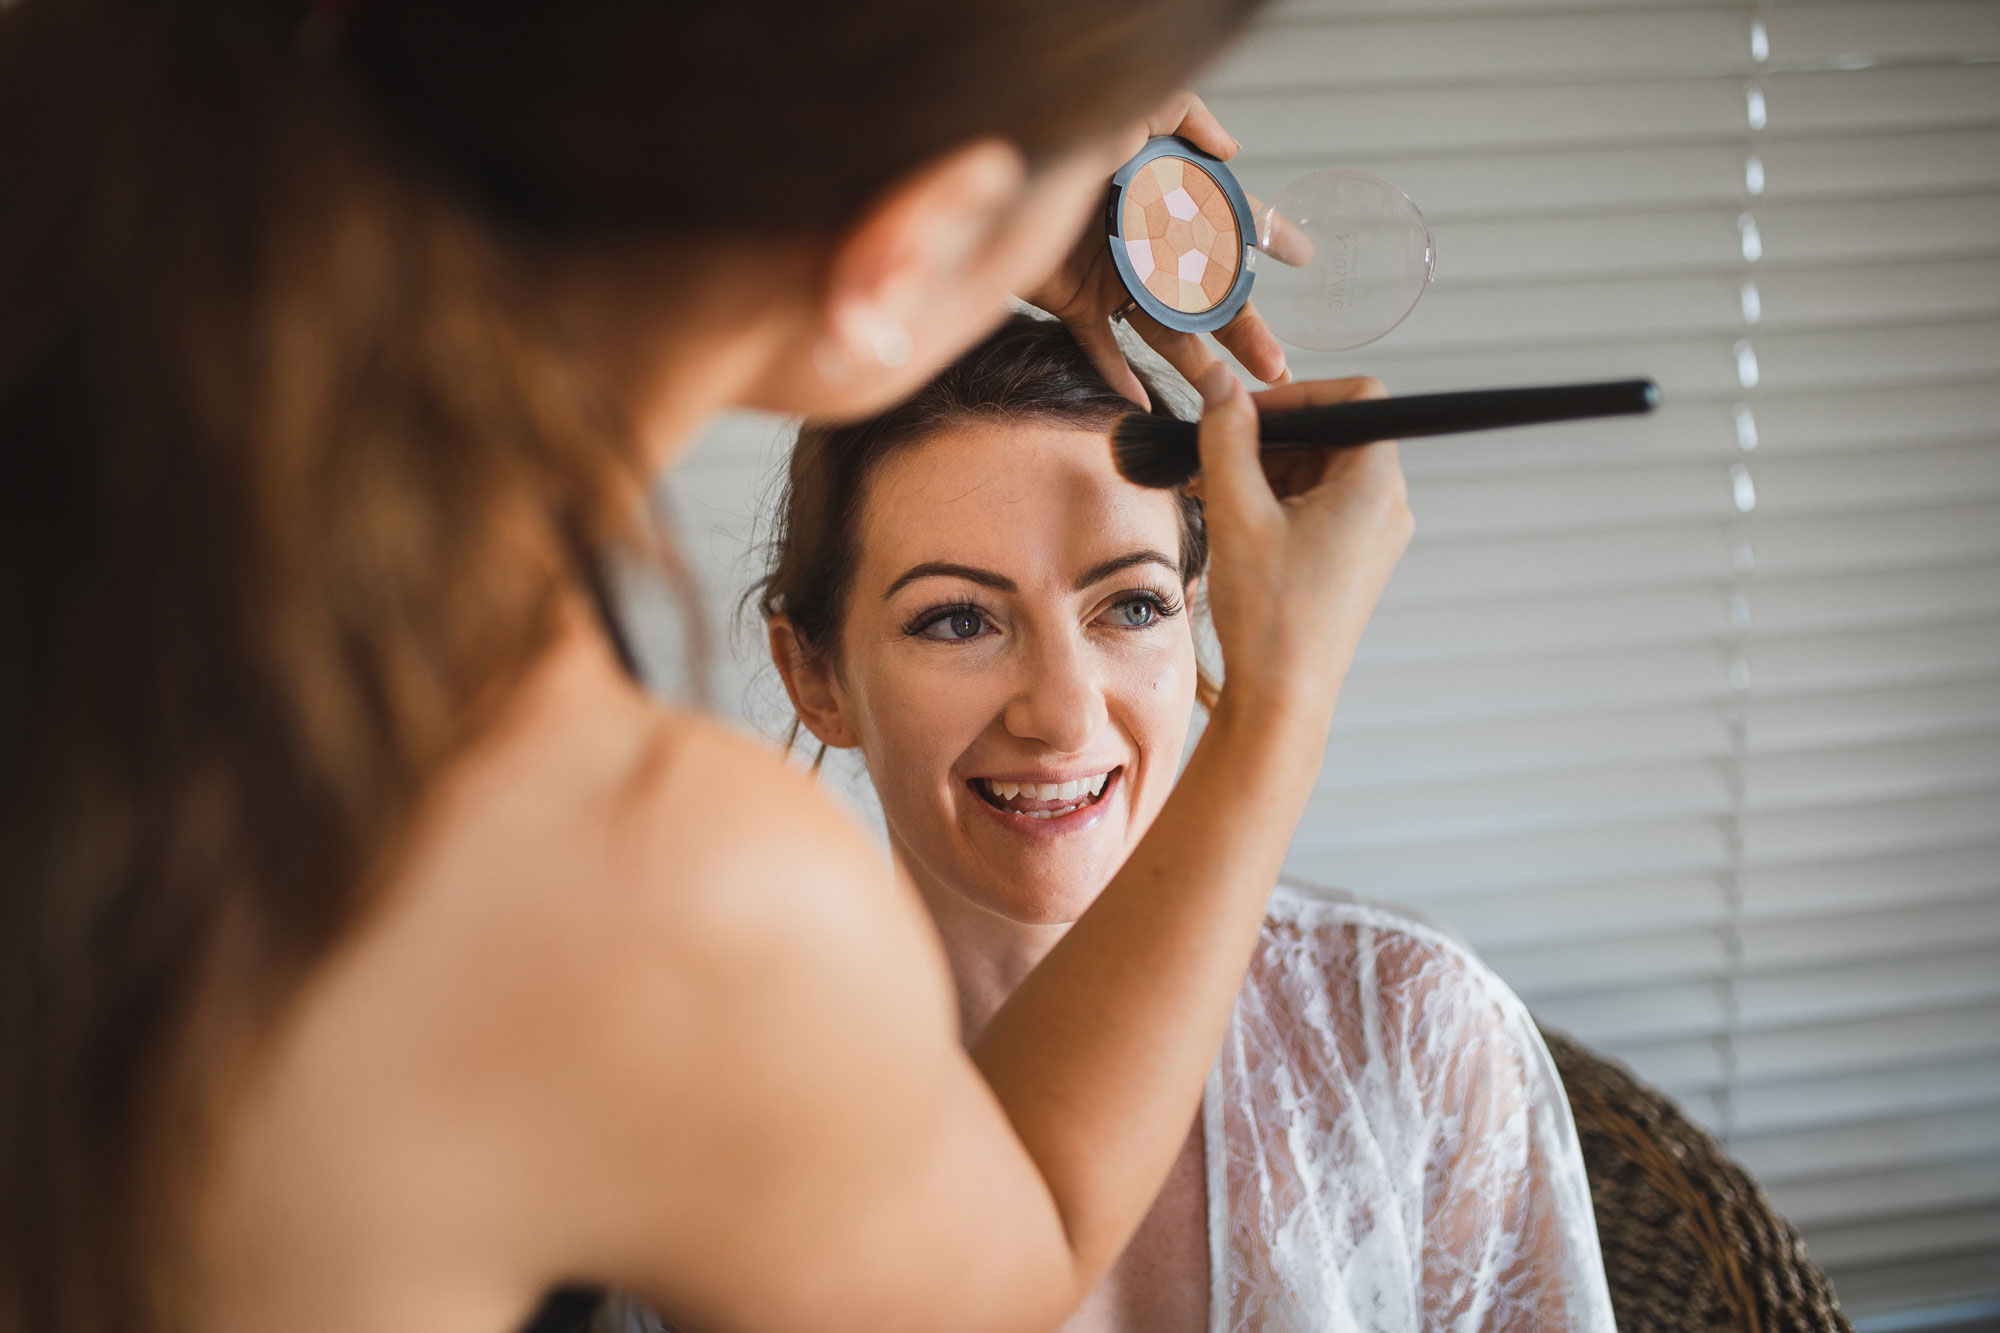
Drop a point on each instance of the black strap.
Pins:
(567, 1310)
(607, 616)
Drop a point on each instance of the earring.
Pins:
(834, 357)
(892, 345)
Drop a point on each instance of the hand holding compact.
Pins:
(1086, 291)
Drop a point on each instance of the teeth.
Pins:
(1072, 790)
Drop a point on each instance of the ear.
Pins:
(814, 689)
(927, 232)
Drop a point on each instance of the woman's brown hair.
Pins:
(295, 469)
(1029, 369)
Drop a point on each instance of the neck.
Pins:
(989, 954)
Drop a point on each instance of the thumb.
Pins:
(1232, 473)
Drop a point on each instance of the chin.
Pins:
(1041, 901)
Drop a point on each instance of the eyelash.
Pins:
(925, 619)
(1163, 609)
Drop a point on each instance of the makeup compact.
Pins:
(1338, 258)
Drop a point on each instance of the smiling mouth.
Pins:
(1045, 800)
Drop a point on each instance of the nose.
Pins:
(1060, 701)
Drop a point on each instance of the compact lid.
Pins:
(1340, 258)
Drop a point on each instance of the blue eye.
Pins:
(953, 624)
(1139, 609)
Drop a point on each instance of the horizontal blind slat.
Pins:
(1468, 318)
(1905, 929)
(1693, 1065)
(1454, 118)
(1435, 876)
(1512, 253)
(1780, 951)
(1869, 828)
(1696, 369)
(1624, 183)
(1538, 915)
(1482, 568)
(1904, 1237)
(1871, 1143)
(1808, 722)
(1458, 691)
(1604, 621)
(1801, 493)
(1822, 34)
(1365, 51)
(1975, 1180)
(1839, 775)
(1828, 1101)
(1808, 887)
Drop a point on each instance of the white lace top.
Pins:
(1389, 1146)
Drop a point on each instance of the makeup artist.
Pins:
(376, 954)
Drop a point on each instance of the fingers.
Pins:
(1250, 340)
(1296, 471)
(1286, 243)
(1232, 475)
(1185, 352)
(1100, 342)
(1188, 116)
(1318, 393)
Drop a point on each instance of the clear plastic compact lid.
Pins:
(1341, 258)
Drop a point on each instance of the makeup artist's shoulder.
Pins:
(724, 822)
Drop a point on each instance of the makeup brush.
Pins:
(1161, 451)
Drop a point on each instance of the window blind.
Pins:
(1690, 724)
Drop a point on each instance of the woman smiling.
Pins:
(966, 591)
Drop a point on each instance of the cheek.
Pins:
(915, 726)
(1154, 703)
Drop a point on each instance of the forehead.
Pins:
(1005, 491)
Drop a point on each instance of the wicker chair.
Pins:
(1690, 1241)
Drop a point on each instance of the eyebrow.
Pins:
(931, 569)
(1098, 572)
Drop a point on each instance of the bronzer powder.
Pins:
(1179, 224)
(1181, 234)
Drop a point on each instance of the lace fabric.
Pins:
(1390, 1145)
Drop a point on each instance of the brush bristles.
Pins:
(1155, 451)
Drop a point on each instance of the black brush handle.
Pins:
(1452, 413)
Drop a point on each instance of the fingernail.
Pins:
(1216, 384)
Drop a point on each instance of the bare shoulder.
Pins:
(728, 819)
(763, 979)
(735, 871)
